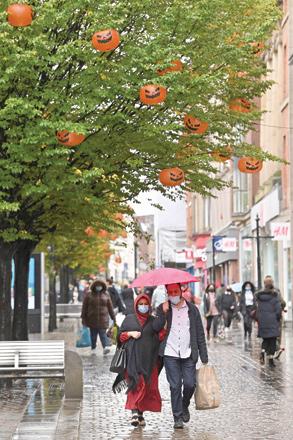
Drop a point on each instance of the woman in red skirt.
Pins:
(141, 333)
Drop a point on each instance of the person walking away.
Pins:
(127, 296)
(115, 298)
(96, 309)
(211, 311)
(269, 282)
(159, 296)
(247, 306)
(140, 332)
(226, 303)
(180, 349)
(268, 315)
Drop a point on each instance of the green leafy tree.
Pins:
(52, 79)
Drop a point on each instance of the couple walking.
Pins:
(174, 338)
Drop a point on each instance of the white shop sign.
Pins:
(266, 209)
(229, 244)
(247, 244)
(280, 231)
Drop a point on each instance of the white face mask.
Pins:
(174, 299)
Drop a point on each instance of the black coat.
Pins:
(142, 353)
(116, 300)
(128, 299)
(226, 301)
(197, 337)
(268, 313)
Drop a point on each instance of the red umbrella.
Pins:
(165, 275)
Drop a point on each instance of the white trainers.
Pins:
(106, 350)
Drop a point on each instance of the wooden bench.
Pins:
(38, 359)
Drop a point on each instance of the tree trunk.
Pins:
(52, 302)
(64, 284)
(21, 263)
(6, 254)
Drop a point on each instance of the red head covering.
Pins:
(142, 317)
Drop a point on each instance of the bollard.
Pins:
(73, 375)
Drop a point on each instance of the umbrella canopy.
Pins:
(165, 275)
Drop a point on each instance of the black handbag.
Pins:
(119, 361)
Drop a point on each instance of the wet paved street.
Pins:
(257, 403)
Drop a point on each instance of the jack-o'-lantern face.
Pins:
(171, 176)
(196, 126)
(222, 156)
(240, 105)
(19, 15)
(250, 165)
(69, 139)
(152, 94)
(106, 40)
(257, 48)
(176, 66)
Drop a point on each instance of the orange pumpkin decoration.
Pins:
(176, 66)
(152, 94)
(240, 105)
(249, 165)
(172, 176)
(20, 15)
(196, 126)
(257, 47)
(220, 156)
(89, 231)
(123, 234)
(119, 217)
(106, 40)
(118, 259)
(69, 139)
(102, 233)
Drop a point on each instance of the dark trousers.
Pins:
(103, 337)
(247, 320)
(269, 345)
(212, 320)
(180, 372)
(227, 315)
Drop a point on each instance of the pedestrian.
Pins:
(247, 306)
(269, 312)
(127, 296)
(159, 296)
(183, 343)
(211, 311)
(96, 310)
(115, 297)
(226, 304)
(140, 332)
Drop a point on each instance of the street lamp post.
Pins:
(135, 260)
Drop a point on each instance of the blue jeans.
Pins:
(180, 372)
(103, 337)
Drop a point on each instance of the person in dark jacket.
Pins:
(140, 333)
(226, 303)
(128, 299)
(96, 308)
(268, 316)
(211, 310)
(183, 344)
(115, 298)
(247, 306)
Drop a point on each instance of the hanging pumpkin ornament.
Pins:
(89, 231)
(20, 15)
(249, 165)
(69, 139)
(119, 217)
(106, 40)
(195, 125)
(176, 66)
(123, 234)
(222, 156)
(172, 176)
(152, 94)
(240, 105)
(118, 259)
(103, 233)
(257, 48)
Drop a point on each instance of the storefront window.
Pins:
(240, 191)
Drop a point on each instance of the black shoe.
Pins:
(178, 424)
(262, 358)
(272, 363)
(185, 415)
(134, 420)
